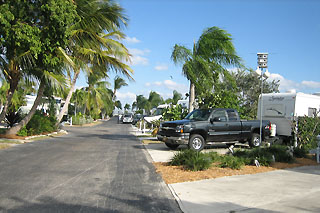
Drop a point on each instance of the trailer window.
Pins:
(312, 112)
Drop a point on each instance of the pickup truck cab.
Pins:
(206, 126)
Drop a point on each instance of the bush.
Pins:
(180, 158)
(232, 162)
(300, 152)
(198, 162)
(39, 124)
(308, 129)
(265, 155)
(191, 160)
(80, 119)
(280, 153)
(173, 113)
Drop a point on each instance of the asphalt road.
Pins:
(92, 169)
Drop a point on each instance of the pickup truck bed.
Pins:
(202, 127)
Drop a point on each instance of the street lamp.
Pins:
(262, 64)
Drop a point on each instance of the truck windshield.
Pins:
(199, 115)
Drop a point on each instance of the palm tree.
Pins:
(97, 94)
(46, 79)
(213, 51)
(118, 83)
(89, 45)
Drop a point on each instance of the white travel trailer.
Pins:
(282, 108)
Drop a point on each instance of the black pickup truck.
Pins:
(207, 126)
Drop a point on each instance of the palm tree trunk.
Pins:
(13, 87)
(66, 104)
(191, 97)
(14, 130)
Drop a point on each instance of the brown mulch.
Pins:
(176, 174)
(12, 137)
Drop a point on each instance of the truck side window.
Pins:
(220, 114)
(232, 115)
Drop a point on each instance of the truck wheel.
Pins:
(172, 146)
(196, 142)
(255, 140)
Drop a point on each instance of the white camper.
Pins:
(282, 108)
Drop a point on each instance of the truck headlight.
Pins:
(179, 129)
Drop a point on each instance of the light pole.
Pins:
(262, 63)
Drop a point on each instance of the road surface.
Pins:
(92, 169)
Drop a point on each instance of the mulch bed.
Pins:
(176, 174)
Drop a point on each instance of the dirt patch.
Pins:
(176, 174)
(12, 137)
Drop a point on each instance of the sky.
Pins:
(289, 30)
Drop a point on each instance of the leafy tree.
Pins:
(142, 103)
(127, 106)
(118, 83)
(154, 99)
(95, 41)
(176, 97)
(118, 104)
(248, 84)
(206, 62)
(31, 32)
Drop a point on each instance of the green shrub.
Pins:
(265, 155)
(300, 152)
(23, 132)
(214, 156)
(80, 119)
(280, 153)
(308, 129)
(180, 158)
(229, 161)
(197, 162)
(39, 124)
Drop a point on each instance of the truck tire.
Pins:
(172, 146)
(255, 140)
(196, 142)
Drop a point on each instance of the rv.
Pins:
(282, 109)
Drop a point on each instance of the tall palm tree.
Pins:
(210, 54)
(97, 94)
(118, 83)
(90, 45)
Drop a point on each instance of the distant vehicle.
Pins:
(282, 109)
(136, 118)
(127, 118)
(208, 126)
(157, 115)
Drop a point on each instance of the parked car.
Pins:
(127, 118)
(207, 126)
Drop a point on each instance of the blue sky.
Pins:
(289, 30)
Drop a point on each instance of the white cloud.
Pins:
(139, 60)
(289, 85)
(161, 67)
(137, 57)
(127, 97)
(132, 40)
(169, 84)
(311, 84)
(134, 51)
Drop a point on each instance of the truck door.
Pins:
(234, 126)
(218, 126)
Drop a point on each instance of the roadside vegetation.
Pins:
(199, 161)
(63, 39)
